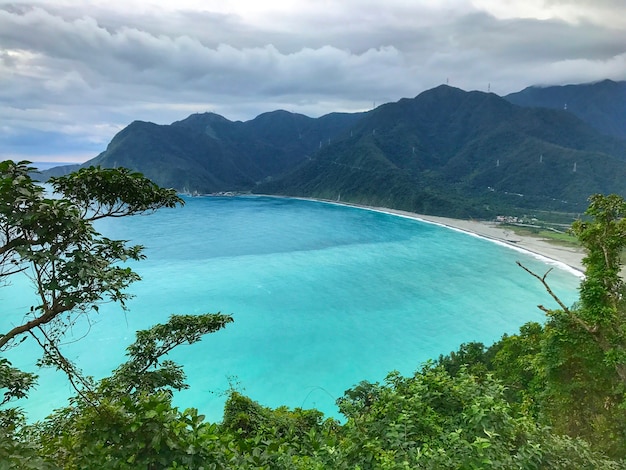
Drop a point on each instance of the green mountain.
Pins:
(446, 151)
(208, 153)
(460, 153)
(600, 104)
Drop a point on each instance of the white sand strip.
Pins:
(567, 257)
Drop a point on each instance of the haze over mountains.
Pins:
(446, 151)
(600, 104)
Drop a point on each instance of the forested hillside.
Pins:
(600, 104)
(208, 153)
(446, 152)
(451, 152)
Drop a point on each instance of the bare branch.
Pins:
(543, 281)
(590, 329)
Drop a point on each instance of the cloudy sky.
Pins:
(74, 73)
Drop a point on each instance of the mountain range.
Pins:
(446, 151)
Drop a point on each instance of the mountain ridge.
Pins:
(601, 104)
(446, 151)
(447, 144)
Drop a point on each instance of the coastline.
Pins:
(567, 257)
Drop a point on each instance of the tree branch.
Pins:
(47, 317)
(14, 243)
(590, 329)
(59, 360)
(542, 279)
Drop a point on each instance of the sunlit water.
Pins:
(323, 296)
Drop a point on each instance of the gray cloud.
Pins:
(71, 73)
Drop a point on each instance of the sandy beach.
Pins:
(570, 256)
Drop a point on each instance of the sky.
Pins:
(74, 73)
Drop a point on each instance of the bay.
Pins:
(323, 296)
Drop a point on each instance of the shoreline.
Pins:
(569, 258)
(551, 253)
(566, 257)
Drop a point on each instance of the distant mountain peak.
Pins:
(601, 104)
(445, 151)
(201, 118)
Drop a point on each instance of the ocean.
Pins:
(323, 297)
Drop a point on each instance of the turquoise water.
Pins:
(323, 296)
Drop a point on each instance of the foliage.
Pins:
(472, 356)
(429, 420)
(141, 374)
(140, 431)
(17, 450)
(555, 377)
(602, 312)
(583, 395)
(525, 402)
(517, 364)
(106, 192)
(248, 418)
(128, 420)
(15, 382)
(71, 266)
(53, 241)
(583, 349)
(434, 420)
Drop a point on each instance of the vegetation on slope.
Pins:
(600, 104)
(550, 397)
(455, 153)
(444, 152)
(207, 153)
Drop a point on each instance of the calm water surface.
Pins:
(323, 296)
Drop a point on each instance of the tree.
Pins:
(584, 346)
(602, 312)
(436, 420)
(51, 239)
(73, 268)
(127, 420)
